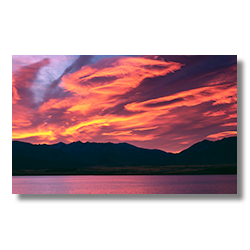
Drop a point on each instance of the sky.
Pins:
(154, 101)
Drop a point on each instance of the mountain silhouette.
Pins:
(208, 152)
(75, 155)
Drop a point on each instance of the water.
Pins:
(125, 184)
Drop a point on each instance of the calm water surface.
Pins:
(126, 184)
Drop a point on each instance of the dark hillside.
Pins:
(78, 155)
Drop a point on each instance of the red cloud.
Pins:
(96, 108)
(221, 135)
(217, 94)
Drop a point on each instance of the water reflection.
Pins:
(126, 184)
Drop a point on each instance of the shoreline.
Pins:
(219, 169)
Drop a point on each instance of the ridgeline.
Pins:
(205, 157)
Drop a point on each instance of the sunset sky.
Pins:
(162, 102)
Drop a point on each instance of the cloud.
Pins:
(43, 85)
(128, 132)
(221, 135)
(231, 124)
(23, 80)
(216, 94)
(116, 75)
(147, 128)
(217, 113)
(149, 101)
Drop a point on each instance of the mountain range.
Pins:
(78, 155)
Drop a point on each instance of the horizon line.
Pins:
(122, 143)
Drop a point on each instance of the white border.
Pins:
(117, 222)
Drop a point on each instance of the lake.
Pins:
(125, 184)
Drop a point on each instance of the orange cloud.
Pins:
(185, 142)
(229, 124)
(119, 77)
(143, 129)
(218, 94)
(233, 115)
(15, 96)
(94, 89)
(129, 132)
(99, 105)
(221, 135)
(217, 113)
(21, 118)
